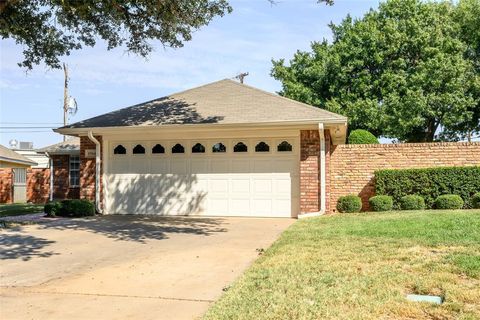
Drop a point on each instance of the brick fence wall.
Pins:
(6, 185)
(352, 167)
(38, 185)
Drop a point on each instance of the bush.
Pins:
(449, 201)
(412, 202)
(75, 208)
(476, 200)
(52, 209)
(381, 203)
(350, 203)
(360, 136)
(429, 183)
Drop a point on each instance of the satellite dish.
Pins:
(72, 106)
(13, 143)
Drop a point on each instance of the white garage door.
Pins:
(235, 177)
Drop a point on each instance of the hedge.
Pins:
(429, 183)
(412, 202)
(350, 203)
(476, 200)
(381, 203)
(361, 136)
(70, 208)
(449, 201)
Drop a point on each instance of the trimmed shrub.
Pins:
(429, 183)
(77, 208)
(361, 136)
(52, 209)
(412, 202)
(350, 203)
(476, 200)
(381, 203)
(449, 201)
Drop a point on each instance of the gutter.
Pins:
(97, 171)
(323, 195)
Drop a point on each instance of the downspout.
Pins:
(323, 195)
(97, 171)
(51, 176)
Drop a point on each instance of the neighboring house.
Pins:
(64, 169)
(13, 175)
(222, 149)
(57, 165)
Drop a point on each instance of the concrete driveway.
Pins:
(126, 267)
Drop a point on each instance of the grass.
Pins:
(361, 266)
(17, 209)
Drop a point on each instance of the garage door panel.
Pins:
(222, 184)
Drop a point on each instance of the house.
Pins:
(221, 149)
(13, 175)
(64, 173)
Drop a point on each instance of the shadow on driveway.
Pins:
(25, 247)
(140, 228)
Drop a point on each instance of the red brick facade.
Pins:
(6, 185)
(87, 170)
(352, 167)
(310, 170)
(38, 182)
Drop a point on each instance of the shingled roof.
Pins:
(221, 102)
(8, 155)
(65, 147)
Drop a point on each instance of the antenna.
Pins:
(70, 106)
(241, 76)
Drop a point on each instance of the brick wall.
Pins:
(87, 170)
(310, 170)
(352, 167)
(38, 185)
(6, 182)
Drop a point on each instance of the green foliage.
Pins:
(402, 71)
(52, 209)
(449, 201)
(381, 203)
(412, 202)
(429, 183)
(360, 136)
(50, 29)
(73, 208)
(350, 203)
(476, 200)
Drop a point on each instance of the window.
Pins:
(198, 148)
(158, 148)
(284, 146)
(139, 149)
(219, 147)
(178, 148)
(262, 147)
(74, 170)
(240, 147)
(119, 150)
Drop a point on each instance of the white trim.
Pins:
(98, 171)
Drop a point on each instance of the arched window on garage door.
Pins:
(198, 148)
(219, 147)
(138, 149)
(262, 147)
(178, 148)
(119, 150)
(284, 146)
(158, 148)
(240, 147)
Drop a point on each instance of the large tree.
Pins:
(50, 29)
(403, 71)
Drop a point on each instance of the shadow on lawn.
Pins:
(25, 247)
(141, 228)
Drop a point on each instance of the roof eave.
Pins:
(98, 130)
(28, 163)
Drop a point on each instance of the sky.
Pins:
(102, 81)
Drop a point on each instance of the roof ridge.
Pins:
(302, 104)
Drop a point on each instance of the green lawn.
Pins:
(19, 208)
(361, 266)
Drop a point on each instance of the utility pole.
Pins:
(241, 76)
(65, 97)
